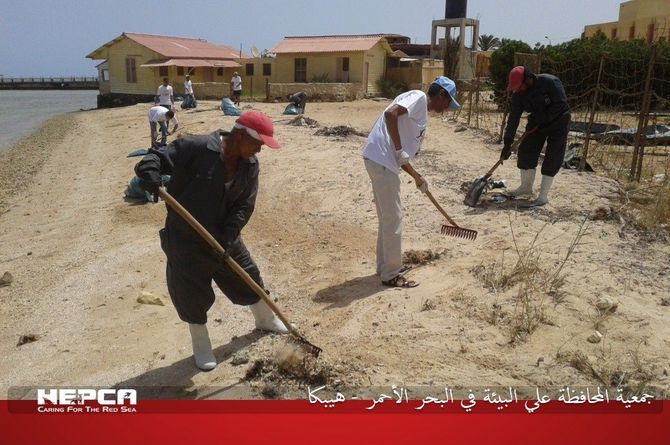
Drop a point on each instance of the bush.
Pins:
(390, 88)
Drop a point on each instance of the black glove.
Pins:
(506, 151)
(151, 187)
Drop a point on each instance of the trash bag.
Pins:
(135, 192)
(189, 102)
(292, 109)
(229, 108)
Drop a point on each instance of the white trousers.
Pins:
(386, 190)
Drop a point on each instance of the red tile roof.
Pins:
(178, 47)
(329, 44)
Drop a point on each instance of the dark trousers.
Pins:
(556, 137)
(191, 268)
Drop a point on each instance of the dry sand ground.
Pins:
(80, 256)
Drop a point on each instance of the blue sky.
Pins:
(52, 37)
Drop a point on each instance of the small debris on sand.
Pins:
(303, 121)
(6, 279)
(27, 338)
(340, 131)
(420, 257)
(149, 298)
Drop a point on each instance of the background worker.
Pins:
(189, 97)
(236, 85)
(165, 95)
(543, 97)
(298, 99)
(394, 140)
(161, 116)
(215, 178)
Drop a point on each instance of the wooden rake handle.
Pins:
(439, 207)
(181, 211)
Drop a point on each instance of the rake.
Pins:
(453, 229)
(206, 236)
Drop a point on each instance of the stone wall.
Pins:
(211, 90)
(330, 92)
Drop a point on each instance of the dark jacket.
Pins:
(545, 101)
(198, 182)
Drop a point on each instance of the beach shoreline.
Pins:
(23, 160)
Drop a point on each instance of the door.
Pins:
(342, 73)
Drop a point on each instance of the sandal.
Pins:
(400, 281)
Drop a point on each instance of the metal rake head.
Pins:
(307, 346)
(459, 232)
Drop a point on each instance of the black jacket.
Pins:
(545, 101)
(198, 182)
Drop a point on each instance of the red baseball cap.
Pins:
(259, 124)
(516, 76)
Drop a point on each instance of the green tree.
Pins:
(502, 61)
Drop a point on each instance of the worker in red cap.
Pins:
(543, 97)
(215, 178)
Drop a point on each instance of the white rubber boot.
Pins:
(266, 320)
(543, 197)
(527, 180)
(202, 347)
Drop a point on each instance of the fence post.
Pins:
(596, 93)
(251, 87)
(640, 136)
(267, 89)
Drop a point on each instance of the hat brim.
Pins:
(270, 141)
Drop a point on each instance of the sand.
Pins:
(80, 257)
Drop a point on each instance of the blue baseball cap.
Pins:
(450, 87)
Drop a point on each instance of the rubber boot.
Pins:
(266, 320)
(202, 347)
(543, 197)
(527, 180)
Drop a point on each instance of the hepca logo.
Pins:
(81, 396)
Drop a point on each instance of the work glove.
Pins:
(151, 185)
(401, 157)
(506, 151)
(423, 186)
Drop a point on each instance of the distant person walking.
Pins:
(236, 84)
(161, 116)
(189, 97)
(165, 95)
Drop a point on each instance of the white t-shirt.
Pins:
(379, 147)
(237, 83)
(157, 114)
(164, 95)
(188, 87)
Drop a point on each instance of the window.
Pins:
(345, 64)
(105, 76)
(180, 71)
(219, 72)
(250, 69)
(613, 34)
(267, 69)
(300, 70)
(631, 33)
(163, 71)
(131, 72)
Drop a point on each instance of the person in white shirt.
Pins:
(165, 95)
(189, 99)
(394, 140)
(236, 84)
(161, 116)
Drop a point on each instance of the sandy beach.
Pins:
(81, 255)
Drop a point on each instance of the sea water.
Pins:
(24, 111)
